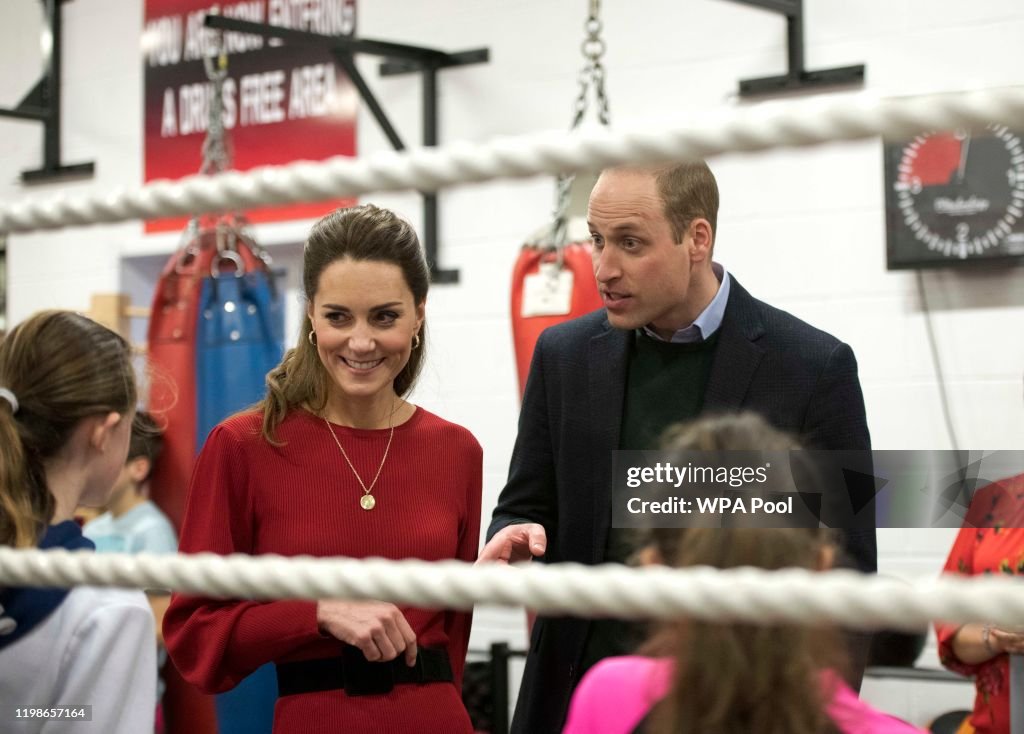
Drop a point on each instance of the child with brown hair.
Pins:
(131, 522)
(67, 402)
(699, 676)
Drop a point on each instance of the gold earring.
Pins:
(312, 337)
(416, 340)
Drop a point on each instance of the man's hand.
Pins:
(377, 628)
(515, 543)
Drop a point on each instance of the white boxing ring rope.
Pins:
(743, 595)
(851, 599)
(754, 128)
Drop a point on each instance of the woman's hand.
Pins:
(377, 628)
(977, 643)
(1008, 641)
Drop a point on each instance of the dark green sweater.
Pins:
(664, 385)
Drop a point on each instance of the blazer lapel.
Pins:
(737, 355)
(607, 360)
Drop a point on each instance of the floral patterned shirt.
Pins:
(997, 548)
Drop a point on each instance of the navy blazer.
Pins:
(801, 379)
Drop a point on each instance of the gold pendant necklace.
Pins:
(367, 501)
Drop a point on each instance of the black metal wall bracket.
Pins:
(402, 59)
(42, 104)
(797, 78)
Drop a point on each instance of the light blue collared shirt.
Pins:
(710, 318)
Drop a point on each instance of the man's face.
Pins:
(644, 275)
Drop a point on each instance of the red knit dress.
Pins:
(247, 496)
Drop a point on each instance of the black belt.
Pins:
(358, 676)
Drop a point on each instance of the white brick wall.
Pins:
(804, 230)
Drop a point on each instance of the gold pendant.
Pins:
(367, 502)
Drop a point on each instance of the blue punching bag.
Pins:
(240, 337)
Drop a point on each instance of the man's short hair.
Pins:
(689, 191)
(147, 439)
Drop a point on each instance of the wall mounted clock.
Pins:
(954, 197)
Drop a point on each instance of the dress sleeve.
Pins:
(960, 561)
(110, 663)
(458, 624)
(215, 643)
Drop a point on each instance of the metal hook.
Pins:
(186, 258)
(220, 257)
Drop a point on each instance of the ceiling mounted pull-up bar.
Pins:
(797, 78)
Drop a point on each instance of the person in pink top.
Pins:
(619, 693)
(696, 676)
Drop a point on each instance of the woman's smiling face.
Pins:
(364, 317)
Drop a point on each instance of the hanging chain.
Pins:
(215, 151)
(215, 157)
(234, 226)
(230, 227)
(591, 75)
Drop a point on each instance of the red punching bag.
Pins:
(172, 354)
(172, 338)
(549, 287)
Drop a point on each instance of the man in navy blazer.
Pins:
(653, 234)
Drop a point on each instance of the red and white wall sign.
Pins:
(282, 102)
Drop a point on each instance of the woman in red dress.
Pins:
(335, 462)
(991, 541)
